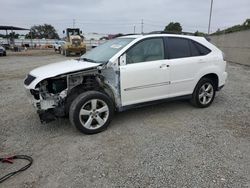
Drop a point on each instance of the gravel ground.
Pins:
(168, 145)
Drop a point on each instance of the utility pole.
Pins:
(142, 24)
(210, 16)
(74, 23)
(134, 29)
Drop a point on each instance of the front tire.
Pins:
(204, 93)
(91, 112)
(67, 53)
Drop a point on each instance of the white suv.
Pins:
(127, 72)
(58, 45)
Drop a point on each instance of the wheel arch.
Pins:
(93, 83)
(214, 77)
(212, 72)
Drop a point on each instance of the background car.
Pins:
(2, 51)
(58, 45)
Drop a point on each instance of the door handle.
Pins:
(164, 66)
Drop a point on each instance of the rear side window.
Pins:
(194, 49)
(183, 47)
(178, 48)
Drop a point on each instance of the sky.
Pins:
(122, 16)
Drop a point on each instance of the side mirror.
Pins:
(122, 60)
(63, 31)
(81, 31)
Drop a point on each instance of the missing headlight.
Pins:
(35, 93)
(57, 85)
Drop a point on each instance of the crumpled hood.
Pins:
(55, 69)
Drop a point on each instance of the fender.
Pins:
(213, 69)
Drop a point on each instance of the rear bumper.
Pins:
(223, 79)
(220, 88)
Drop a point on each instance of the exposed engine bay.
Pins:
(53, 96)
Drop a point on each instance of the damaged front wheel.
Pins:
(91, 112)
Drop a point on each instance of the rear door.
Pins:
(185, 61)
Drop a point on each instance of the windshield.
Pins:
(104, 52)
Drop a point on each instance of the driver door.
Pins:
(145, 74)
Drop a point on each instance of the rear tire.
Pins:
(91, 112)
(67, 53)
(204, 93)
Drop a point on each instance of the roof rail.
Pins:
(169, 32)
(120, 35)
(178, 33)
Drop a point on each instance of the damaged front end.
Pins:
(52, 96)
(49, 97)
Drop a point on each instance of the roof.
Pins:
(131, 36)
(2, 27)
(161, 35)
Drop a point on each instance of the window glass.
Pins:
(178, 48)
(202, 49)
(106, 50)
(194, 50)
(147, 50)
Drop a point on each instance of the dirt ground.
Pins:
(168, 145)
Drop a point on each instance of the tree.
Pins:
(235, 28)
(13, 35)
(198, 33)
(10, 35)
(43, 31)
(173, 27)
(246, 24)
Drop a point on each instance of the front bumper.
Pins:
(51, 114)
(2, 53)
(76, 49)
(46, 116)
(47, 109)
(31, 99)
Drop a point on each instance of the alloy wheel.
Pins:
(206, 93)
(94, 114)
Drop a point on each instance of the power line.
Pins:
(142, 25)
